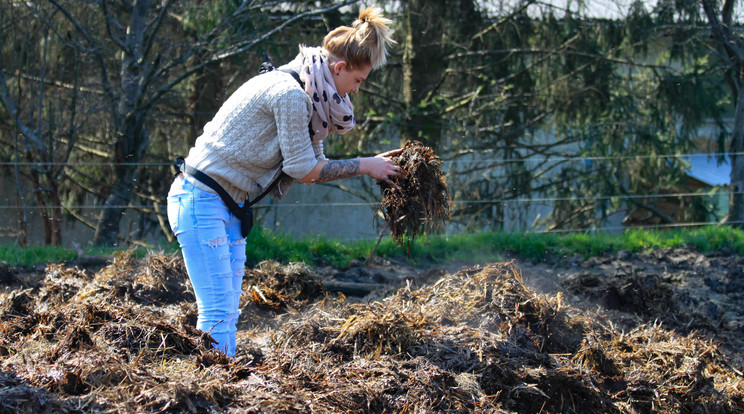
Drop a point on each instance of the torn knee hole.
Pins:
(218, 241)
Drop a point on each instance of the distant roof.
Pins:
(706, 168)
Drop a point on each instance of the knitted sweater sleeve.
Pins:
(292, 116)
(319, 152)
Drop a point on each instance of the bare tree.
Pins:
(42, 110)
(150, 62)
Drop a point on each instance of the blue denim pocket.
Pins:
(176, 197)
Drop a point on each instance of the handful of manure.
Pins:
(421, 200)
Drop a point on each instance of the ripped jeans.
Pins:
(214, 253)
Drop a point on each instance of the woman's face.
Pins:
(346, 80)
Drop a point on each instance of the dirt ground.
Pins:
(652, 332)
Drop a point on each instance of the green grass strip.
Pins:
(476, 247)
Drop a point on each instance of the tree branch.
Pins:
(504, 19)
(222, 56)
(111, 20)
(10, 104)
(96, 51)
(723, 36)
(152, 28)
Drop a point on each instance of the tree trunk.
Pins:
(42, 209)
(131, 136)
(423, 67)
(22, 234)
(49, 202)
(207, 96)
(107, 229)
(729, 47)
(736, 205)
(55, 214)
(129, 149)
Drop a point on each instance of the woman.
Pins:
(271, 129)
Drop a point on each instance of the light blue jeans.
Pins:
(214, 253)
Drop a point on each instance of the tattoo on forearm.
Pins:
(336, 170)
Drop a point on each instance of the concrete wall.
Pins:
(306, 210)
(322, 209)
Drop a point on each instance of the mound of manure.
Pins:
(274, 287)
(475, 341)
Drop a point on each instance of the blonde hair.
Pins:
(365, 43)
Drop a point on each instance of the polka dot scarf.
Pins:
(331, 113)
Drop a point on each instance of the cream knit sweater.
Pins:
(258, 133)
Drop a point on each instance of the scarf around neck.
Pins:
(332, 113)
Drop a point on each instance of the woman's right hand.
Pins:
(382, 166)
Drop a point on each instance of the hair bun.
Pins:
(372, 15)
(366, 42)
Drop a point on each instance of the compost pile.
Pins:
(419, 201)
(475, 340)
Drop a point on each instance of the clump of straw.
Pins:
(419, 202)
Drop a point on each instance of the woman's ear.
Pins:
(338, 66)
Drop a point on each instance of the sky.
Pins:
(612, 9)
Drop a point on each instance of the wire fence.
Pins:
(545, 200)
(532, 159)
(520, 201)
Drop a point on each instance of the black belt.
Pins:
(245, 213)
